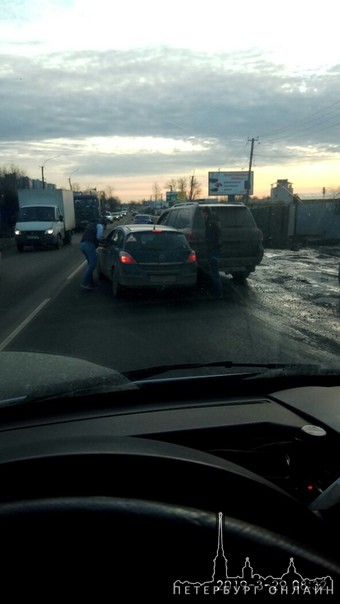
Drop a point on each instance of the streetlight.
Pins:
(42, 169)
(69, 179)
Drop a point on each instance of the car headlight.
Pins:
(49, 232)
(17, 232)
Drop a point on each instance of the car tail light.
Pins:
(126, 258)
(192, 257)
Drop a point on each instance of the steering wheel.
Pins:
(101, 517)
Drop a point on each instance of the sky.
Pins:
(128, 96)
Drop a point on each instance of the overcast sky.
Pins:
(129, 94)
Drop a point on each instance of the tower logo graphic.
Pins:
(250, 583)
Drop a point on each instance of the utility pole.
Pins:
(252, 140)
(191, 193)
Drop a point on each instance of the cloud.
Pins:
(59, 102)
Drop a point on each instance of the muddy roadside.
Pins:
(302, 290)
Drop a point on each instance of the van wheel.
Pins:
(20, 247)
(58, 243)
(68, 237)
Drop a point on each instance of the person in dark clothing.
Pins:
(213, 243)
(92, 235)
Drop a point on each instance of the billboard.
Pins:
(171, 196)
(230, 183)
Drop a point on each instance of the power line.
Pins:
(324, 119)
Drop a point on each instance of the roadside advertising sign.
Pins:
(230, 183)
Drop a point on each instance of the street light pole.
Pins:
(42, 177)
(69, 179)
(42, 170)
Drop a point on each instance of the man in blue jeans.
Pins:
(92, 235)
(213, 243)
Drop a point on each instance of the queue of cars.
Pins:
(110, 217)
(170, 251)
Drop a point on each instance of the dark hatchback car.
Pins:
(145, 256)
(242, 241)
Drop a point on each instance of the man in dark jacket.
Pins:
(89, 242)
(213, 243)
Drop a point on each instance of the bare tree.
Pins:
(334, 191)
(195, 188)
(182, 188)
(171, 185)
(156, 191)
(109, 191)
(187, 189)
(12, 170)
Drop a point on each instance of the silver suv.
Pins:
(242, 241)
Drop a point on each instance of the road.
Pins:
(287, 312)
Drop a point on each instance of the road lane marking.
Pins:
(33, 314)
(23, 324)
(76, 271)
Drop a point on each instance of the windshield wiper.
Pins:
(292, 368)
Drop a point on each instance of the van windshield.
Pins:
(40, 213)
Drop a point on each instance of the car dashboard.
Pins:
(167, 458)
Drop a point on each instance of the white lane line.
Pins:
(76, 271)
(20, 327)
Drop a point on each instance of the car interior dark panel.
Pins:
(92, 457)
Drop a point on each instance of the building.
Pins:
(282, 191)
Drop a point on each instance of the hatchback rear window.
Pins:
(156, 240)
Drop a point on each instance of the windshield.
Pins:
(221, 123)
(36, 213)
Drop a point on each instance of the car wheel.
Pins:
(241, 276)
(116, 287)
(100, 274)
(68, 238)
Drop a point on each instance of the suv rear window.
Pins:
(235, 217)
(156, 240)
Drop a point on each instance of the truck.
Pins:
(87, 208)
(46, 218)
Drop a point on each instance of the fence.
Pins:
(302, 223)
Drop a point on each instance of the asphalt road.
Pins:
(272, 318)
